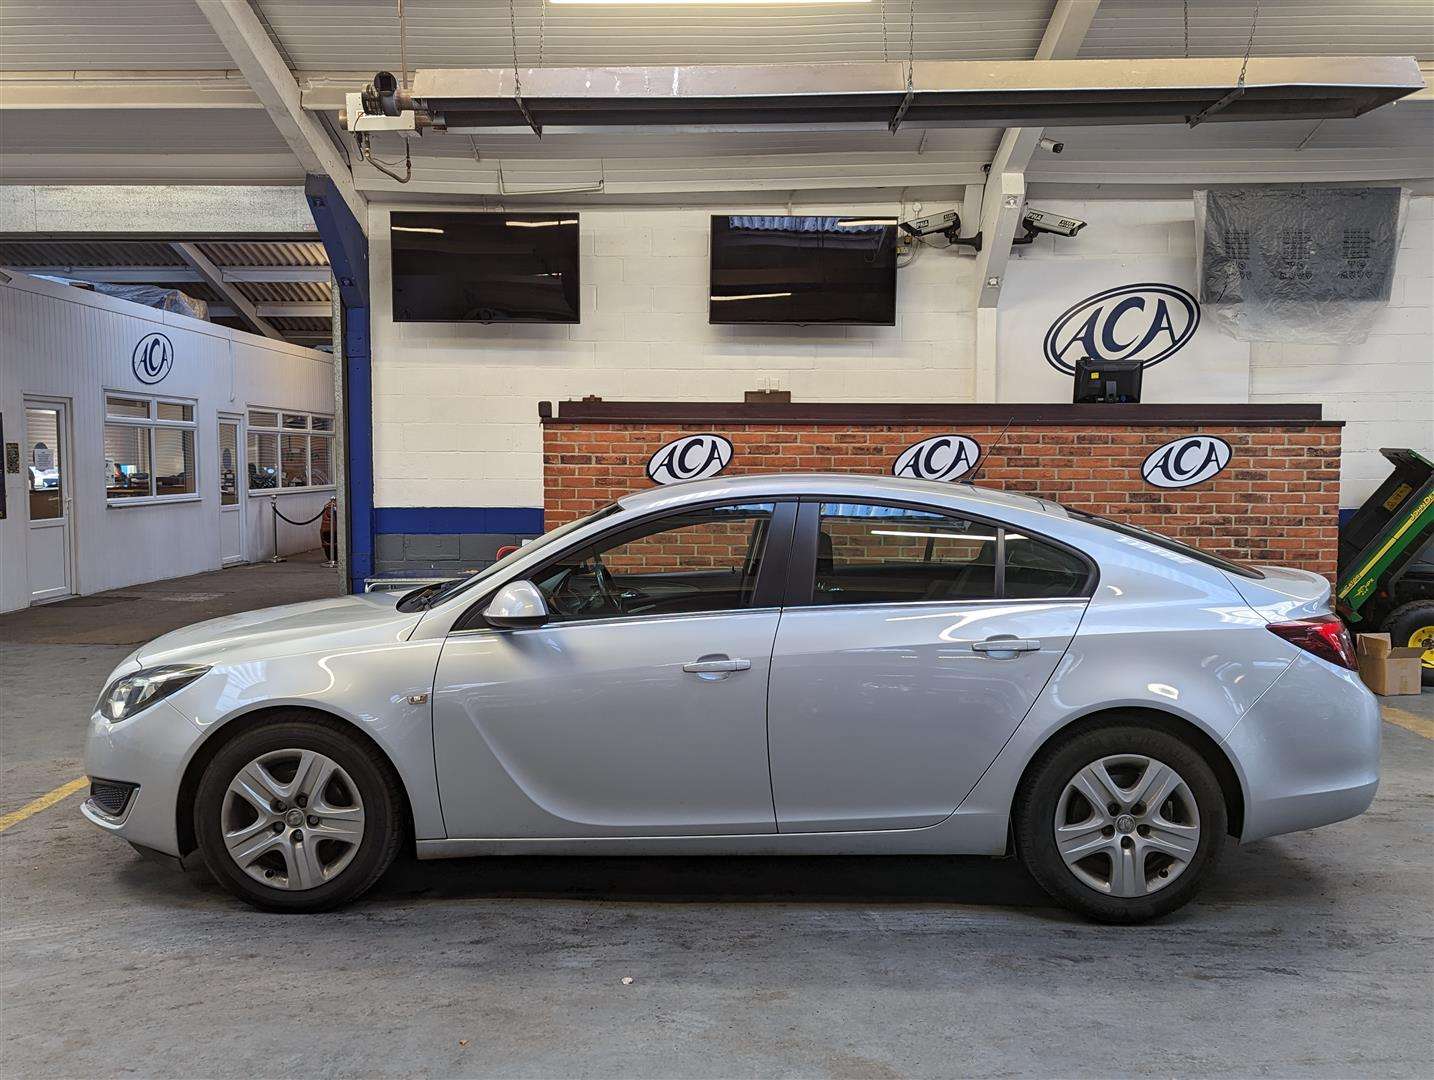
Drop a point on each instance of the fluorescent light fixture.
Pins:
(755, 296)
(866, 221)
(416, 228)
(933, 535)
(540, 224)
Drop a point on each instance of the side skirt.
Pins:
(960, 834)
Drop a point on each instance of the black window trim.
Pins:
(771, 576)
(802, 566)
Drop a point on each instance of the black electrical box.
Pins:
(1101, 381)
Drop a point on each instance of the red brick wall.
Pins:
(1277, 500)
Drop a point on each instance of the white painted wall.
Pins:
(66, 343)
(455, 405)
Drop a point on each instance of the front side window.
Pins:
(871, 554)
(149, 448)
(697, 561)
(289, 450)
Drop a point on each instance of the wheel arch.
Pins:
(235, 726)
(1171, 723)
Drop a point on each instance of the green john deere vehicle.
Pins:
(1386, 559)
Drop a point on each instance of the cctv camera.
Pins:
(946, 220)
(1043, 221)
(1051, 145)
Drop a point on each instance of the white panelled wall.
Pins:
(455, 405)
(70, 345)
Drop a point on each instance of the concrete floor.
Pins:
(1308, 955)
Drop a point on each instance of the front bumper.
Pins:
(150, 750)
(1308, 751)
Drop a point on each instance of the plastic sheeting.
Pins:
(1297, 263)
(180, 303)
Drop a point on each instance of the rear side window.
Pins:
(1035, 569)
(868, 554)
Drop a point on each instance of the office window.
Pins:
(149, 449)
(289, 450)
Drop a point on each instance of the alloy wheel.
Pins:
(292, 819)
(1127, 825)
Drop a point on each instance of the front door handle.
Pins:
(715, 667)
(1005, 645)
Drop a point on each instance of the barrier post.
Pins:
(274, 519)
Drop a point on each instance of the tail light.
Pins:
(1325, 636)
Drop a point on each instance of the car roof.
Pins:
(845, 485)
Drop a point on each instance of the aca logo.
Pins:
(1186, 462)
(1146, 322)
(941, 457)
(153, 359)
(692, 457)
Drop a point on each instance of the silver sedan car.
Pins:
(776, 665)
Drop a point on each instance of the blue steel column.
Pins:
(347, 248)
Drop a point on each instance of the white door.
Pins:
(231, 506)
(47, 491)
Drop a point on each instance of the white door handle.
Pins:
(1005, 645)
(709, 667)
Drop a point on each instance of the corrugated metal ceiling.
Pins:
(52, 35)
(476, 33)
(1142, 28)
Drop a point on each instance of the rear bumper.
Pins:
(1308, 751)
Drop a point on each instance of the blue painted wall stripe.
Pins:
(429, 520)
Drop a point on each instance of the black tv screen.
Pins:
(832, 270)
(490, 267)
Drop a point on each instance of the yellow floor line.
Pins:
(50, 798)
(1408, 721)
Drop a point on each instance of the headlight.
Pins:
(128, 695)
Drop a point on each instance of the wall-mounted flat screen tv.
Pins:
(828, 270)
(488, 268)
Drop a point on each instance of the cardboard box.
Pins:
(1386, 670)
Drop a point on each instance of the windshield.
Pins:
(439, 591)
(1162, 541)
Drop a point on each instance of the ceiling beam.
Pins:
(243, 34)
(213, 277)
(128, 90)
(136, 211)
(1004, 196)
(276, 311)
(145, 275)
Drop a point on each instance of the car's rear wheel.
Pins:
(295, 814)
(1121, 823)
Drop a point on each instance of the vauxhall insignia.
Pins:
(941, 457)
(1186, 462)
(1148, 322)
(691, 457)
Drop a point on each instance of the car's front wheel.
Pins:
(1120, 823)
(295, 814)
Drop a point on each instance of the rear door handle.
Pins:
(1005, 645)
(714, 667)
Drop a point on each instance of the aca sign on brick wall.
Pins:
(1265, 490)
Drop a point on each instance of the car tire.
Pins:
(297, 855)
(1413, 625)
(1128, 874)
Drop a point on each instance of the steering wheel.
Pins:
(570, 601)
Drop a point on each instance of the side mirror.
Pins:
(516, 605)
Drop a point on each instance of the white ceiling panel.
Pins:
(1146, 28)
(54, 35)
(363, 36)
